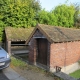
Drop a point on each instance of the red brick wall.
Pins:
(64, 54)
(32, 51)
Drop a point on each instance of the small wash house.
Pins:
(54, 46)
(15, 39)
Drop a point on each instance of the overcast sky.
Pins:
(50, 4)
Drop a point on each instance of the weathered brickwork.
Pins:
(31, 50)
(64, 54)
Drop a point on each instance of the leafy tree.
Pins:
(77, 23)
(18, 13)
(65, 15)
(43, 17)
(1, 34)
(52, 19)
(26, 13)
(77, 16)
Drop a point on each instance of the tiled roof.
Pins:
(18, 34)
(57, 34)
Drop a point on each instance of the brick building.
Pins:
(54, 46)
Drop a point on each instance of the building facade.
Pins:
(54, 46)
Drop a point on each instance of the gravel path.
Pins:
(33, 75)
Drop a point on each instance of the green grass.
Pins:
(18, 63)
(75, 74)
(23, 65)
(15, 62)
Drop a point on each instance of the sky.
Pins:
(51, 4)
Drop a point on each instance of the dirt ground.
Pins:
(30, 74)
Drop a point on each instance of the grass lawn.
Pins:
(23, 65)
(75, 74)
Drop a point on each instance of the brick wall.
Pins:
(64, 54)
(32, 51)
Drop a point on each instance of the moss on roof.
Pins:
(58, 34)
(18, 34)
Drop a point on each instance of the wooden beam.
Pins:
(18, 45)
(20, 52)
(9, 47)
(39, 37)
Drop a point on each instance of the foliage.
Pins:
(19, 13)
(75, 74)
(1, 34)
(45, 17)
(27, 13)
(77, 16)
(65, 15)
(77, 22)
(18, 63)
(52, 19)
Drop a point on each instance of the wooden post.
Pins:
(9, 47)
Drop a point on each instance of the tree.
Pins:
(65, 15)
(19, 12)
(52, 19)
(43, 17)
(77, 16)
